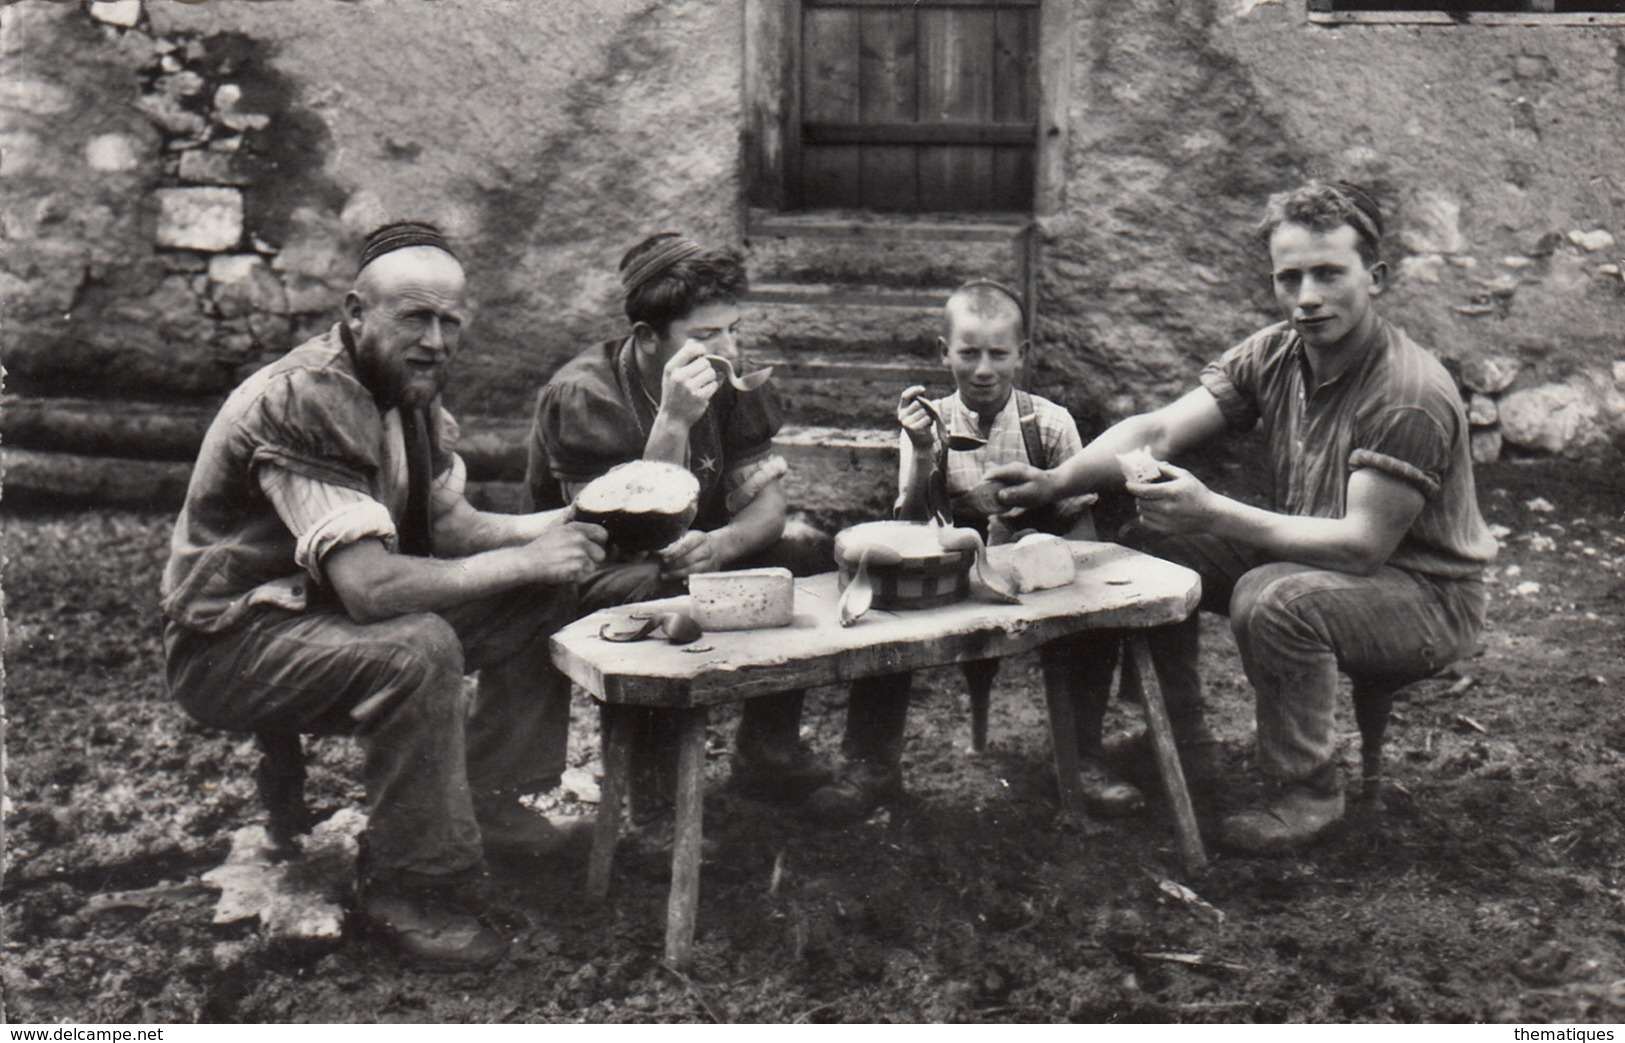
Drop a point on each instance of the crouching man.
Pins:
(1370, 559)
(327, 575)
(654, 393)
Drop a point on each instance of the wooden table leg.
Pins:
(683, 905)
(1162, 745)
(616, 754)
(1063, 731)
(979, 675)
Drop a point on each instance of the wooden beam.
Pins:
(919, 133)
(765, 101)
(989, 4)
(1055, 57)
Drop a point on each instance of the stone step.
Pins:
(786, 319)
(885, 250)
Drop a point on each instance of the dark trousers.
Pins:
(424, 746)
(1297, 627)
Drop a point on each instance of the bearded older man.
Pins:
(327, 574)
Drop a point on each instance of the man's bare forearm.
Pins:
(464, 530)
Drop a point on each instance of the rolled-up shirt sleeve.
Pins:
(743, 482)
(322, 516)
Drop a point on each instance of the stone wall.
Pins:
(186, 183)
(1496, 151)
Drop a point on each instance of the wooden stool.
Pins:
(280, 779)
(1373, 705)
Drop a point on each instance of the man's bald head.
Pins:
(405, 318)
(410, 265)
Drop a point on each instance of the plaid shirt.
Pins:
(1057, 431)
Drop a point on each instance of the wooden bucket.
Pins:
(920, 580)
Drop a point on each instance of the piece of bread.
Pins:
(1139, 465)
(1037, 561)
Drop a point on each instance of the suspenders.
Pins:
(1031, 436)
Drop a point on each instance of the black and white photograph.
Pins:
(813, 512)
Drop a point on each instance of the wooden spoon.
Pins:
(749, 382)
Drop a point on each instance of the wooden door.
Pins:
(915, 105)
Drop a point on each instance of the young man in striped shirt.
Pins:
(1369, 559)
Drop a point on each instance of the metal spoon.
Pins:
(957, 441)
(749, 382)
(858, 595)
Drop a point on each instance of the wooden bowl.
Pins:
(925, 577)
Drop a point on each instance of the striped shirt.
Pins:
(1394, 409)
(1057, 433)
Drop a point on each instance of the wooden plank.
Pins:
(766, 90)
(682, 907)
(829, 93)
(943, 133)
(956, 86)
(924, 3)
(1191, 852)
(1055, 58)
(1115, 588)
(617, 761)
(1063, 733)
(887, 68)
(1013, 173)
(1015, 99)
(1015, 62)
(1474, 18)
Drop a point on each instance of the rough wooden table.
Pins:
(1115, 588)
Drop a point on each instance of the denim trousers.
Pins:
(426, 749)
(1297, 627)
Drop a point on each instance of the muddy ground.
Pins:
(1493, 887)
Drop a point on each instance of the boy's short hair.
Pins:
(1323, 205)
(987, 299)
(666, 276)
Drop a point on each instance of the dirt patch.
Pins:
(1492, 888)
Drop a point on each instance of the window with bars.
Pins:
(1487, 12)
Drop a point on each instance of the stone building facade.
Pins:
(185, 185)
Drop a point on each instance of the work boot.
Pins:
(511, 832)
(1106, 795)
(859, 788)
(787, 774)
(1302, 814)
(437, 923)
(1201, 754)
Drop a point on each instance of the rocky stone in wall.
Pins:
(123, 13)
(209, 219)
(1489, 374)
(1482, 410)
(1552, 418)
(241, 284)
(1486, 445)
(113, 153)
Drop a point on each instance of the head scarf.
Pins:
(399, 236)
(1367, 215)
(667, 249)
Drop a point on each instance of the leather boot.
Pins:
(511, 832)
(1303, 813)
(436, 923)
(858, 789)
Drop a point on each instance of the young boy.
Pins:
(651, 394)
(984, 350)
